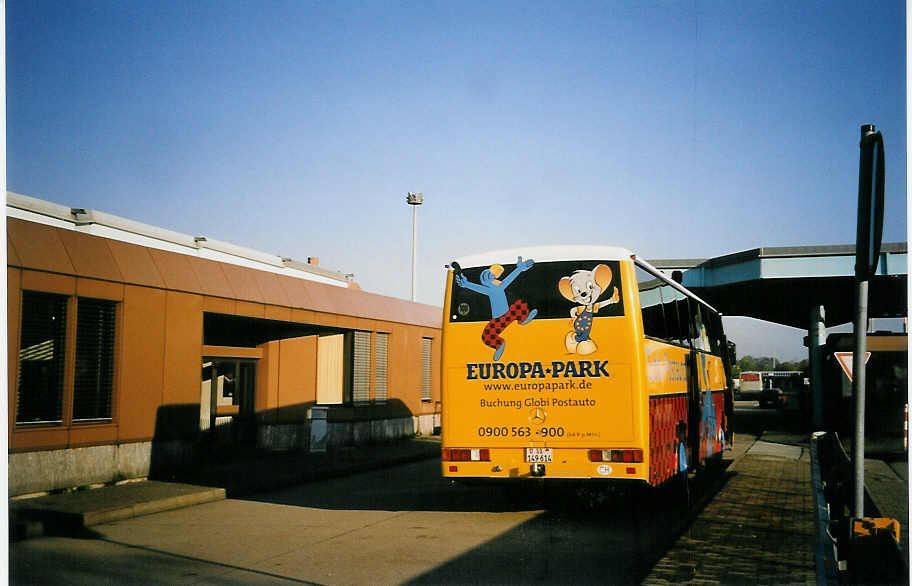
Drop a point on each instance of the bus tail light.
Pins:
(466, 455)
(626, 456)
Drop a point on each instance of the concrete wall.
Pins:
(47, 470)
(296, 436)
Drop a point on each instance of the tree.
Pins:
(754, 363)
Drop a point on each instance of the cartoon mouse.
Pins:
(584, 287)
(502, 313)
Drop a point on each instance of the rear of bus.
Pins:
(542, 367)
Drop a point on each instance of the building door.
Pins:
(331, 370)
(227, 398)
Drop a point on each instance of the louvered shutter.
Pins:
(39, 396)
(361, 368)
(381, 368)
(425, 369)
(94, 380)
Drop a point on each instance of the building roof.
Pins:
(48, 237)
(116, 228)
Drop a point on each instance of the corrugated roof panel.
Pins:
(39, 246)
(90, 256)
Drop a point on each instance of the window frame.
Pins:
(69, 352)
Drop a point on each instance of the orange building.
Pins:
(129, 345)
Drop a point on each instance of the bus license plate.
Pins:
(538, 455)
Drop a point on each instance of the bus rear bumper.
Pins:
(569, 465)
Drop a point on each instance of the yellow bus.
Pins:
(579, 363)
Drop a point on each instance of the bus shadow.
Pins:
(576, 533)
(418, 486)
(574, 541)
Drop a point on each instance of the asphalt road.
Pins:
(404, 524)
(400, 525)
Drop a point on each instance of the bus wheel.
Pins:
(714, 465)
(686, 493)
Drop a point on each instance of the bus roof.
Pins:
(568, 252)
(546, 254)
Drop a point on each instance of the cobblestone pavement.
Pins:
(759, 528)
(881, 482)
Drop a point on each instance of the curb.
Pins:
(42, 519)
(150, 507)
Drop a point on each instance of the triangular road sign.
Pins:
(845, 361)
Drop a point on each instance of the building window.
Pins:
(381, 368)
(93, 384)
(426, 369)
(361, 368)
(39, 397)
(43, 341)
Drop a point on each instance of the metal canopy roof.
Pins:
(783, 284)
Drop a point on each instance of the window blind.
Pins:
(361, 368)
(381, 368)
(94, 379)
(425, 369)
(39, 396)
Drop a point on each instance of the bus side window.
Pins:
(714, 329)
(675, 326)
(683, 319)
(697, 328)
(651, 305)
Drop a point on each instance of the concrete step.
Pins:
(74, 511)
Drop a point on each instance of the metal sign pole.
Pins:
(867, 253)
(858, 384)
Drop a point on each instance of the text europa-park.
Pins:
(520, 370)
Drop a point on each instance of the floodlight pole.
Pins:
(414, 199)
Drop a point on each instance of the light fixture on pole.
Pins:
(414, 199)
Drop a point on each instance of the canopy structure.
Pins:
(784, 284)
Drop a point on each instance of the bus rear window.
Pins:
(476, 291)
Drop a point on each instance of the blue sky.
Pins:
(674, 129)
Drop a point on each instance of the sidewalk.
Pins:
(761, 528)
(758, 529)
(72, 512)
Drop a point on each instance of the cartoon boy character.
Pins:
(584, 287)
(502, 313)
(709, 411)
